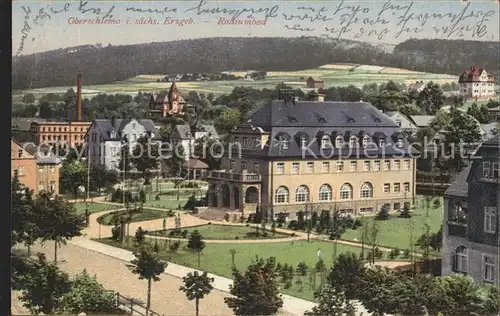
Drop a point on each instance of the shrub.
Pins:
(184, 233)
(226, 217)
(406, 254)
(157, 197)
(236, 237)
(356, 224)
(383, 214)
(171, 233)
(379, 254)
(115, 233)
(175, 246)
(293, 235)
(265, 234)
(247, 225)
(405, 213)
(209, 223)
(436, 203)
(292, 225)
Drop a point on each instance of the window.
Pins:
(397, 164)
(295, 167)
(281, 195)
(325, 192)
(303, 142)
(387, 188)
(339, 141)
(366, 140)
(381, 142)
(489, 268)
(20, 170)
(134, 137)
(310, 167)
(376, 165)
(283, 142)
(366, 165)
(366, 190)
(243, 166)
(346, 191)
(52, 187)
(254, 141)
(325, 167)
(406, 164)
(387, 165)
(245, 142)
(325, 141)
(20, 153)
(460, 260)
(490, 219)
(256, 167)
(52, 169)
(232, 164)
(366, 210)
(397, 187)
(340, 165)
(133, 125)
(40, 169)
(398, 121)
(406, 187)
(495, 169)
(280, 168)
(236, 139)
(353, 141)
(400, 143)
(41, 186)
(302, 194)
(352, 165)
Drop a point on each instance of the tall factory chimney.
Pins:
(79, 98)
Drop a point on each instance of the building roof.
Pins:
(182, 131)
(490, 130)
(195, 164)
(43, 154)
(23, 123)
(316, 79)
(422, 120)
(314, 120)
(473, 75)
(106, 126)
(459, 187)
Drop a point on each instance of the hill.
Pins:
(100, 65)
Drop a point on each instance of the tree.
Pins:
(140, 236)
(43, 287)
(29, 98)
(346, 273)
(196, 286)
(206, 150)
(409, 110)
(102, 178)
(148, 265)
(256, 291)
(58, 220)
(373, 237)
(125, 162)
(24, 227)
(196, 243)
(227, 119)
(73, 175)
(480, 113)
(177, 184)
(383, 214)
(145, 157)
(87, 296)
(405, 213)
(431, 98)
(331, 302)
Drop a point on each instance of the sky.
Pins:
(41, 29)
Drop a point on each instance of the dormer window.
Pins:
(322, 120)
(381, 142)
(366, 141)
(339, 142)
(113, 134)
(399, 143)
(303, 142)
(325, 141)
(283, 142)
(237, 139)
(353, 141)
(350, 120)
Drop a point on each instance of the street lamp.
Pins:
(123, 145)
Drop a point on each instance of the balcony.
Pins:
(457, 228)
(238, 177)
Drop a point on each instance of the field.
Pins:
(332, 74)
(216, 257)
(223, 232)
(397, 232)
(93, 207)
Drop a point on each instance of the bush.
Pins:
(293, 224)
(247, 225)
(379, 254)
(293, 235)
(383, 214)
(405, 213)
(226, 217)
(157, 197)
(236, 237)
(209, 223)
(436, 203)
(184, 233)
(406, 254)
(115, 233)
(175, 246)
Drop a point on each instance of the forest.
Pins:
(101, 64)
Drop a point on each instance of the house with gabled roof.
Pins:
(167, 103)
(105, 137)
(477, 83)
(315, 83)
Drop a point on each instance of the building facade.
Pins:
(183, 136)
(403, 122)
(104, 139)
(314, 83)
(477, 83)
(470, 229)
(336, 156)
(167, 103)
(23, 163)
(71, 133)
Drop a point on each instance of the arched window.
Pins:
(325, 192)
(303, 141)
(325, 141)
(366, 190)
(353, 141)
(346, 191)
(339, 141)
(460, 260)
(366, 141)
(400, 143)
(381, 142)
(302, 194)
(281, 195)
(283, 142)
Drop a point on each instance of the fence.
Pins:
(132, 307)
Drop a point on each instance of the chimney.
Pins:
(79, 98)
(318, 97)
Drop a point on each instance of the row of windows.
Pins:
(461, 264)
(52, 186)
(20, 170)
(367, 165)
(60, 129)
(325, 192)
(64, 137)
(490, 170)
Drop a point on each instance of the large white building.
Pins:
(104, 139)
(477, 83)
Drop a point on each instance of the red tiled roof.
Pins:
(473, 74)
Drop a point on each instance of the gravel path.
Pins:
(113, 274)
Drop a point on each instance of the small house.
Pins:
(315, 83)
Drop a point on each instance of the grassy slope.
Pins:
(224, 232)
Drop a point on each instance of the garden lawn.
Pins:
(396, 232)
(224, 232)
(93, 207)
(144, 215)
(169, 201)
(216, 258)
